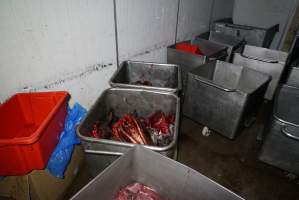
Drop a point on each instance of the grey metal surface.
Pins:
(164, 77)
(293, 77)
(188, 61)
(233, 43)
(268, 61)
(255, 36)
(222, 96)
(169, 178)
(281, 145)
(123, 100)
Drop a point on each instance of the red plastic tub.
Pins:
(30, 126)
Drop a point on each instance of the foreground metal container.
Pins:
(268, 61)
(188, 61)
(256, 36)
(121, 101)
(293, 77)
(223, 96)
(233, 43)
(281, 145)
(169, 178)
(163, 77)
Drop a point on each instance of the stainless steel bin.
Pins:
(223, 96)
(281, 145)
(234, 44)
(188, 61)
(121, 101)
(293, 77)
(268, 61)
(171, 179)
(163, 77)
(256, 36)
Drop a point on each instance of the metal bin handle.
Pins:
(288, 134)
(215, 86)
(259, 59)
(108, 153)
(239, 26)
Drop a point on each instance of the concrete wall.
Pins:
(70, 44)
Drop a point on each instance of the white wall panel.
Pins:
(144, 26)
(44, 41)
(194, 18)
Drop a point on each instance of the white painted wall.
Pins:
(70, 44)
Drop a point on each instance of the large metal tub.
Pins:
(223, 96)
(188, 61)
(293, 77)
(234, 44)
(281, 145)
(268, 61)
(164, 77)
(121, 101)
(169, 178)
(256, 36)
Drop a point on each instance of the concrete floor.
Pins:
(232, 163)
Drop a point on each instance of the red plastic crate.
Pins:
(188, 47)
(31, 124)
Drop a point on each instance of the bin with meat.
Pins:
(156, 129)
(121, 118)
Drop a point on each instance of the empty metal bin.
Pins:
(170, 179)
(233, 43)
(163, 77)
(256, 36)
(188, 61)
(271, 62)
(223, 96)
(281, 145)
(121, 101)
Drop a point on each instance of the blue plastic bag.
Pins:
(68, 138)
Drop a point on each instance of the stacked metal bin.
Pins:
(256, 36)
(127, 96)
(281, 145)
(222, 96)
(234, 44)
(167, 177)
(188, 61)
(271, 62)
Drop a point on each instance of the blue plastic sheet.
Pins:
(62, 154)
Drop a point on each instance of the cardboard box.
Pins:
(40, 184)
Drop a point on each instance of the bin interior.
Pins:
(122, 101)
(23, 113)
(159, 75)
(225, 39)
(181, 182)
(265, 54)
(208, 48)
(286, 105)
(230, 76)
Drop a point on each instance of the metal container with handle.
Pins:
(121, 101)
(160, 77)
(234, 44)
(223, 96)
(256, 36)
(281, 145)
(170, 179)
(188, 61)
(271, 62)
